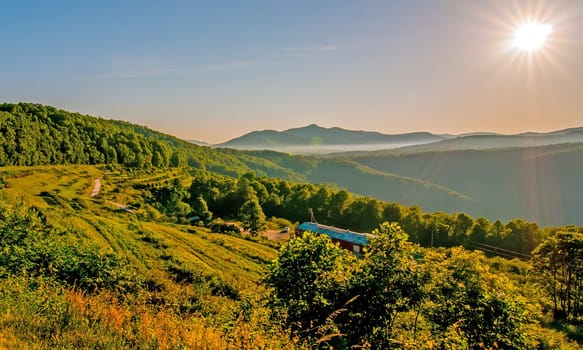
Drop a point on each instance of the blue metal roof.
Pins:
(336, 233)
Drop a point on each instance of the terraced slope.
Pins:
(63, 192)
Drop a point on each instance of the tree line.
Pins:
(223, 196)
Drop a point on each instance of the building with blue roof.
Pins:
(353, 241)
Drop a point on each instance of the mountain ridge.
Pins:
(492, 141)
(316, 135)
(314, 139)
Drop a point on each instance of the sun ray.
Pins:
(538, 60)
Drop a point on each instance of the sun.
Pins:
(532, 36)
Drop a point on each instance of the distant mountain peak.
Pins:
(315, 135)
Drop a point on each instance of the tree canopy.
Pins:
(394, 297)
(252, 217)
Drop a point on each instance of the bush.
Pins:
(219, 226)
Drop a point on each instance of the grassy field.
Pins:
(199, 290)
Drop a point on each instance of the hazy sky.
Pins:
(213, 70)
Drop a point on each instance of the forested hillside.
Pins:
(540, 184)
(223, 196)
(32, 134)
(366, 180)
(500, 184)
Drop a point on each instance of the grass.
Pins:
(66, 181)
(38, 315)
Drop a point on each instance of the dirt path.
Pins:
(96, 187)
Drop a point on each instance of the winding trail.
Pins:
(96, 187)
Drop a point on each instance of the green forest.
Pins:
(401, 296)
(156, 260)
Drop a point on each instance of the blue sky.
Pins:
(213, 70)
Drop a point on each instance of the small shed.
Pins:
(353, 241)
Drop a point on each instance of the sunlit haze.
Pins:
(215, 70)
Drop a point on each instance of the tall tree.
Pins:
(558, 262)
(252, 217)
(469, 305)
(200, 208)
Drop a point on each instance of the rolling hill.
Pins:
(161, 285)
(63, 193)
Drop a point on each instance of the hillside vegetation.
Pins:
(122, 270)
(400, 297)
(79, 272)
